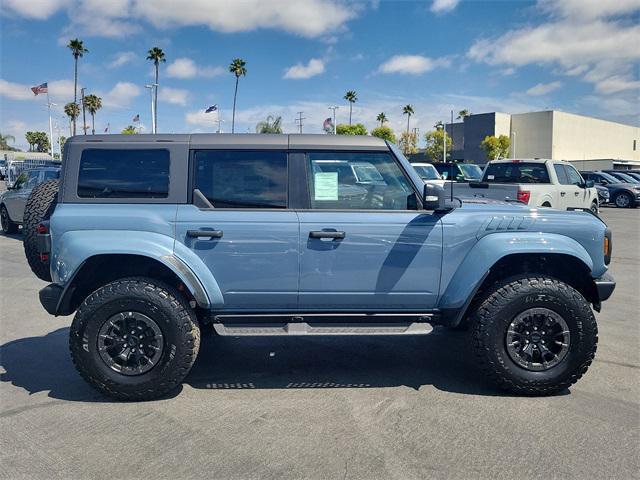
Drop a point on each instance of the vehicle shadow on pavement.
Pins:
(41, 364)
(441, 359)
(13, 236)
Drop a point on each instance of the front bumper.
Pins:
(605, 285)
(50, 298)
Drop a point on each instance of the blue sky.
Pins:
(580, 56)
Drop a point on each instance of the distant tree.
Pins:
(357, 129)
(352, 97)
(462, 114)
(435, 144)
(270, 125)
(77, 50)
(408, 111)
(157, 56)
(31, 140)
(42, 143)
(129, 130)
(72, 110)
(496, 147)
(381, 118)
(93, 104)
(408, 143)
(61, 142)
(438, 125)
(4, 142)
(238, 68)
(384, 133)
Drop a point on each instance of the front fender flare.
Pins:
(490, 249)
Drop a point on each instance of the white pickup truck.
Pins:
(536, 182)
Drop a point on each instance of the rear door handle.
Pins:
(576, 193)
(327, 234)
(562, 194)
(204, 233)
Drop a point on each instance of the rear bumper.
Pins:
(605, 285)
(50, 298)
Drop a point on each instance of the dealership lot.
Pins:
(322, 407)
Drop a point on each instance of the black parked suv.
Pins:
(623, 195)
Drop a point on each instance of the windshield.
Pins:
(626, 178)
(427, 172)
(367, 173)
(609, 178)
(472, 172)
(516, 172)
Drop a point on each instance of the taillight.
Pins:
(44, 257)
(42, 228)
(524, 196)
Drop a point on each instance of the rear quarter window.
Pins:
(121, 173)
(516, 172)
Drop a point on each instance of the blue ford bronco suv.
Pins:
(151, 238)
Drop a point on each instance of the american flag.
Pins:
(327, 125)
(212, 108)
(106, 130)
(136, 118)
(42, 88)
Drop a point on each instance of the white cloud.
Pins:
(59, 90)
(176, 96)
(36, 9)
(443, 6)
(314, 67)
(198, 118)
(543, 88)
(412, 64)
(187, 68)
(121, 95)
(583, 38)
(309, 18)
(122, 58)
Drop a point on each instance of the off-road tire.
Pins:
(39, 207)
(594, 209)
(496, 311)
(154, 299)
(8, 226)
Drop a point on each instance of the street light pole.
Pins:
(49, 104)
(334, 108)
(151, 88)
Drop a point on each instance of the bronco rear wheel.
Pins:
(134, 339)
(39, 207)
(534, 335)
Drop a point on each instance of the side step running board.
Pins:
(304, 328)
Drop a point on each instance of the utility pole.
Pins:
(299, 120)
(334, 108)
(84, 114)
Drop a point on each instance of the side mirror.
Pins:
(433, 197)
(589, 184)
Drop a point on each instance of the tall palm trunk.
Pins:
(75, 89)
(350, 108)
(93, 124)
(233, 117)
(155, 101)
(408, 118)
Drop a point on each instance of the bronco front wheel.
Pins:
(534, 335)
(134, 339)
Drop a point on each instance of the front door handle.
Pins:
(576, 193)
(327, 234)
(562, 194)
(204, 233)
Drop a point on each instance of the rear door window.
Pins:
(516, 172)
(242, 179)
(561, 174)
(116, 173)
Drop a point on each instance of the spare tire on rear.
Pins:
(39, 207)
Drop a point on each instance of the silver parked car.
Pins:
(13, 201)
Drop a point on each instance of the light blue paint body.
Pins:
(266, 262)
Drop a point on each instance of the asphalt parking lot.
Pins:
(403, 408)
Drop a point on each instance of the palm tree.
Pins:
(237, 67)
(129, 130)
(352, 97)
(270, 125)
(4, 141)
(77, 50)
(381, 118)
(93, 104)
(72, 110)
(408, 111)
(439, 125)
(156, 55)
(462, 114)
(30, 137)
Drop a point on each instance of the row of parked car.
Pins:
(537, 182)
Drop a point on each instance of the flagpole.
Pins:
(50, 125)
